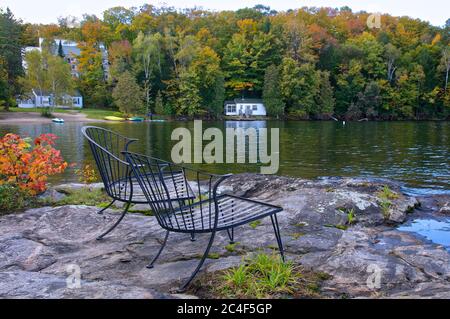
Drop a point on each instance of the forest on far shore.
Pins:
(308, 63)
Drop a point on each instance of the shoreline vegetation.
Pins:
(33, 116)
(307, 63)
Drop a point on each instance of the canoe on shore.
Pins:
(114, 118)
(136, 119)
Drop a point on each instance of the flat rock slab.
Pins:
(52, 252)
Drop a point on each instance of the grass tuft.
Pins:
(263, 276)
(387, 194)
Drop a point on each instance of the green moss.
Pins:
(231, 247)
(341, 227)
(302, 224)
(214, 256)
(84, 196)
(148, 212)
(255, 224)
(297, 235)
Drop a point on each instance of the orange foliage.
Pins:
(29, 166)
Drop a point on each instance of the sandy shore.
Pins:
(36, 118)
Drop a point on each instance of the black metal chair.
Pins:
(115, 172)
(209, 212)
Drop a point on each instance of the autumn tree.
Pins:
(246, 58)
(119, 53)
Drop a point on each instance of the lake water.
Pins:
(415, 153)
(435, 230)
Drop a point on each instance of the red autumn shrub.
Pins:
(28, 166)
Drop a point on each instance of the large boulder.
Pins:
(367, 257)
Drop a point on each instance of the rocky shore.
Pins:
(344, 227)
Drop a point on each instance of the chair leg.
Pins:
(104, 209)
(183, 288)
(151, 265)
(276, 228)
(116, 223)
(231, 235)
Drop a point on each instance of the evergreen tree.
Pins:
(60, 50)
(10, 51)
(272, 92)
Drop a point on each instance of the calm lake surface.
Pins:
(415, 153)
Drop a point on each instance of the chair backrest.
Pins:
(161, 180)
(107, 148)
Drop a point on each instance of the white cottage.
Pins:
(45, 99)
(245, 107)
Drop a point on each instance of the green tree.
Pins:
(4, 87)
(46, 72)
(350, 82)
(325, 98)
(59, 77)
(299, 87)
(206, 66)
(11, 50)
(189, 100)
(392, 56)
(445, 64)
(148, 59)
(372, 55)
(367, 103)
(127, 94)
(36, 76)
(159, 104)
(246, 58)
(272, 97)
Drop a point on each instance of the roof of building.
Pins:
(69, 51)
(41, 93)
(244, 101)
(76, 93)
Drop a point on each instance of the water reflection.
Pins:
(434, 230)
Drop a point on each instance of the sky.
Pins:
(47, 11)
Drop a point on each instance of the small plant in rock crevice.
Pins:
(262, 276)
(255, 224)
(351, 217)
